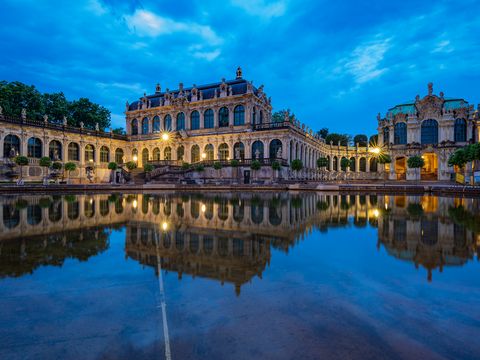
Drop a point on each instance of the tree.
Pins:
(113, 165)
(373, 141)
(57, 165)
(384, 159)
(14, 96)
(119, 131)
(415, 162)
(185, 166)
(148, 168)
(45, 162)
(322, 162)
(217, 165)
(255, 165)
(199, 168)
(131, 165)
(360, 139)
(234, 163)
(458, 158)
(83, 110)
(69, 167)
(55, 105)
(344, 139)
(21, 161)
(279, 116)
(276, 165)
(344, 163)
(297, 165)
(323, 132)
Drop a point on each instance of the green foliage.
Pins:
(415, 210)
(234, 163)
(373, 141)
(21, 160)
(322, 205)
(296, 202)
(45, 161)
(297, 165)
(276, 165)
(361, 139)
(344, 163)
(57, 165)
(131, 165)
(458, 158)
(384, 159)
(322, 162)
(113, 165)
(113, 198)
(119, 131)
(70, 198)
(323, 133)
(415, 162)
(462, 216)
(185, 166)
(279, 116)
(255, 165)
(217, 165)
(45, 202)
(344, 139)
(199, 168)
(148, 168)
(70, 166)
(15, 95)
(21, 204)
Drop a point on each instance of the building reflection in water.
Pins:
(229, 237)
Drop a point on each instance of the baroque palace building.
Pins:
(433, 127)
(232, 119)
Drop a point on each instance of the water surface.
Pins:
(245, 276)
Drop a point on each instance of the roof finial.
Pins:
(239, 72)
(158, 89)
(430, 88)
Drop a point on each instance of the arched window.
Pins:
(275, 149)
(156, 124)
(386, 135)
(34, 214)
(145, 126)
(195, 153)
(460, 132)
(144, 157)
(328, 163)
(119, 156)
(195, 120)
(430, 131)
(373, 164)
(208, 119)
(167, 153)
(260, 119)
(256, 212)
(223, 152)
(257, 150)
(73, 210)
(181, 121)
(167, 121)
(89, 208)
(363, 164)
(239, 115)
(55, 150)
(73, 152)
(400, 134)
(11, 216)
(104, 154)
(223, 117)
(89, 153)
(342, 163)
(11, 146)
(239, 151)
(34, 147)
(209, 152)
(352, 164)
(180, 153)
(254, 115)
(134, 127)
(335, 163)
(156, 154)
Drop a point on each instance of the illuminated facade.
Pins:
(432, 127)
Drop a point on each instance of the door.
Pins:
(246, 176)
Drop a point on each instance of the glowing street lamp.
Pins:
(135, 158)
(165, 136)
(204, 156)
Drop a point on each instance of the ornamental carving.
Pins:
(400, 117)
(430, 107)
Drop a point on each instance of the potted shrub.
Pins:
(255, 166)
(69, 167)
(415, 162)
(45, 162)
(131, 165)
(275, 167)
(322, 163)
(21, 161)
(296, 166)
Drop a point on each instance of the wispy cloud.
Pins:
(262, 8)
(147, 23)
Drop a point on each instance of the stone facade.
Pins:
(432, 127)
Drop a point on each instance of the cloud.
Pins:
(262, 8)
(147, 23)
(364, 63)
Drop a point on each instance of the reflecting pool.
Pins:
(239, 276)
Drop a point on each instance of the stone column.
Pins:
(188, 123)
(230, 116)
(215, 118)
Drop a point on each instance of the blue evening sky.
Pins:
(336, 64)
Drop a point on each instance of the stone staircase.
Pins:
(137, 176)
